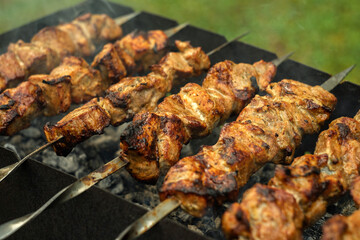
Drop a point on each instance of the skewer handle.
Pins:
(5, 171)
(67, 193)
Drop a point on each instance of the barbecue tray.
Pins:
(98, 214)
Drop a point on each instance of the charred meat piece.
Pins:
(124, 99)
(146, 48)
(153, 142)
(341, 227)
(12, 70)
(264, 204)
(56, 39)
(83, 45)
(109, 64)
(56, 93)
(86, 83)
(51, 44)
(18, 106)
(268, 129)
(98, 27)
(36, 58)
(78, 125)
(314, 181)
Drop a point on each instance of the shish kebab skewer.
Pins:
(298, 194)
(51, 44)
(122, 101)
(153, 141)
(217, 172)
(58, 98)
(79, 186)
(74, 81)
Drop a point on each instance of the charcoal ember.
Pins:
(194, 228)
(69, 164)
(16, 140)
(81, 172)
(31, 132)
(117, 189)
(12, 148)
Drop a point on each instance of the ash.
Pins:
(98, 150)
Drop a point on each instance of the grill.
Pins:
(104, 211)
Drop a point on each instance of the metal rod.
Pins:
(335, 80)
(5, 171)
(280, 60)
(172, 31)
(123, 19)
(149, 219)
(67, 193)
(227, 43)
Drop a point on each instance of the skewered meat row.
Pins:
(126, 98)
(341, 227)
(51, 44)
(153, 141)
(267, 130)
(298, 194)
(83, 82)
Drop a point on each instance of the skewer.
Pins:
(75, 189)
(5, 171)
(151, 218)
(16, 62)
(125, 18)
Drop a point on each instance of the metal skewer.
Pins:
(81, 185)
(151, 218)
(5, 171)
(123, 19)
(65, 194)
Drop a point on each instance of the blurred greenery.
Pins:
(323, 34)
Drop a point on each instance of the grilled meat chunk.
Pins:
(264, 204)
(98, 27)
(314, 181)
(342, 228)
(18, 106)
(345, 228)
(56, 39)
(83, 45)
(51, 44)
(268, 129)
(36, 58)
(153, 142)
(126, 98)
(88, 120)
(56, 93)
(146, 48)
(86, 83)
(109, 64)
(12, 71)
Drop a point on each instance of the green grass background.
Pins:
(323, 34)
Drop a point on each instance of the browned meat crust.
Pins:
(111, 65)
(18, 106)
(267, 130)
(314, 180)
(153, 142)
(86, 82)
(126, 98)
(88, 120)
(51, 44)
